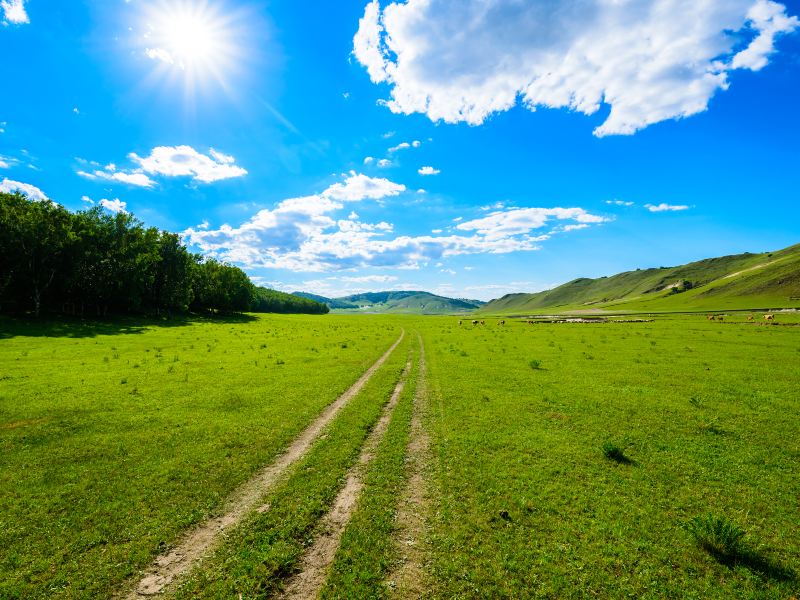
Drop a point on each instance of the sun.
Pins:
(196, 37)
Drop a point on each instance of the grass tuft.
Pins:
(719, 536)
(615, 452)
(535, 364)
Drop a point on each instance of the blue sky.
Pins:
(543, 141)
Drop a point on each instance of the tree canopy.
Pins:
(96, 263)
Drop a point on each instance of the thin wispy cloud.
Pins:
(663, 207)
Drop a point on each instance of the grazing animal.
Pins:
(501, 322)
(710, 317)
(459, 322)
(483, 322)
(719, 318)
(474, 322)
(769, 317)
(750, 318)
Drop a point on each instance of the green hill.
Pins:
(401, 302)
(741, 281)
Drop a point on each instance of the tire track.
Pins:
(407, 579)
(197, 543)
(318, 559)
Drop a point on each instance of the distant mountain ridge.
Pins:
(741, 281)
(399, 302)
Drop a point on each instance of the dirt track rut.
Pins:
(317, 560)
(198, 542)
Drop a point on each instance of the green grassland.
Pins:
(738, 282)
(114, 438)
(568, 460)
(705, 414)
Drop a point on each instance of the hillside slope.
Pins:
(399, 302)
(741, 281)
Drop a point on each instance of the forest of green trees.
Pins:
(93, 263)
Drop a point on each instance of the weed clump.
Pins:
(719, 536)
(535, 364)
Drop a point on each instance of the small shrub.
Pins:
(535, 364)
(717, 535)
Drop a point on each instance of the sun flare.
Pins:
(196, 37)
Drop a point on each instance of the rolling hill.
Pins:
(741, 281)
(400, 302)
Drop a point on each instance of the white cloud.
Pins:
(114, 206)
(31, 191)
(384, 163)
(76, 111)
(388, 135)
(87, 200)
(619, 203)
(368, 160)
(3, 125)
(360, 187)
(649, 60)
(665, 207)
(400, 146)
(436, 231)
(428, 171)
(160, 54)
(169, 161)
(14, 11)
(416, 143)
(130, 178)
(305, 234)
(185, 161)
(518, 221)
(204, 225)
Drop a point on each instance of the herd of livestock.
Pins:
(750, 319)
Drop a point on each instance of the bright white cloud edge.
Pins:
(650, 61)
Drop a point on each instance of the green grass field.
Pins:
(566, 460)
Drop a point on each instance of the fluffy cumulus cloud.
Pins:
(428, 171)
(663, 207)
(306, 233)
(169, 161)
(114, 206)
(14, 12)
(649, 60)
(31, 191)
(185, 161)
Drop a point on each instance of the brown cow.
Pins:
(710, 317)
(750, 318)
(769, 317)
(483, 322)
(719, 318)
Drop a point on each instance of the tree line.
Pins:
(94, 263)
